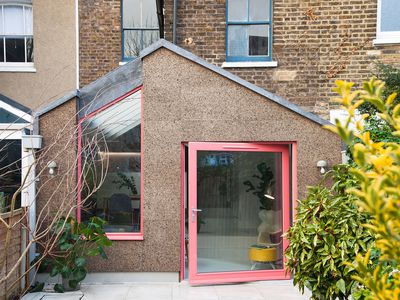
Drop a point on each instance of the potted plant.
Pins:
(263, 190)
(76, 242)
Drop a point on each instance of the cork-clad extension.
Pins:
(186, 99)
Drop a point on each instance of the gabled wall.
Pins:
(184, 101)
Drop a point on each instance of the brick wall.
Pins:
(11, 255)
(99, 38)
(314, 43)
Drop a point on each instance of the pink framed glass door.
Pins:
(238, 209)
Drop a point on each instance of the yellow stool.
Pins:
(262, 254)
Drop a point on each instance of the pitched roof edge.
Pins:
(275, 98)
(15, 104)
(52, 105)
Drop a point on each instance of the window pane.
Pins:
(28, 21)
(228, 225)
(248, 40)
(259, 10)
(132, 13)
(136, 40)
(1, 49)
(13, 20)
(15, 50)
(237, 10)
(111, 144)
(258, 40)
(1, 20)
(149, 13)
(390, 15)
(10, 173)
(237, 40)
(29, 49)
(140, 14)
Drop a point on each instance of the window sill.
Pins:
(125, 236)
(17, 67)
(121, 63)
(250, 64)
(386, 41)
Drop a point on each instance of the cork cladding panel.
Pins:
(186, 102)
(58, 128)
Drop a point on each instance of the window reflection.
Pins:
(10, 173)
(111, 165)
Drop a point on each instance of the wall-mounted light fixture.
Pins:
(52, 165)
(322, 164)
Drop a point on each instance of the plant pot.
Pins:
(67, 288)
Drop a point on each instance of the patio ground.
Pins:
(264, 290)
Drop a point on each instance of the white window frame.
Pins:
(384, 37)
(28, 67)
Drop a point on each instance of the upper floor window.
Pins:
(139, 26)
(388, 25)
(16, 34)
(248, 30)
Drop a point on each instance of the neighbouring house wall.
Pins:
(314, 43)
(184, 101)
(11, 255)
(54, 56)
(99, 38)
(59, 131)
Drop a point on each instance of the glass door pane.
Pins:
(239, 217)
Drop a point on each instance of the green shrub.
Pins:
(327, 232)
(75, 243)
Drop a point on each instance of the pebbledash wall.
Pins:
(184, 101)
(314, 43)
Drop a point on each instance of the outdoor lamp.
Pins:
(52, 165)
(322, 164)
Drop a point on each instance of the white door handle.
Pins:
(195, 210)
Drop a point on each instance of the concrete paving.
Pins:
(263, 290)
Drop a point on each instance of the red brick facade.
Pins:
(99, 38)
(314, 43)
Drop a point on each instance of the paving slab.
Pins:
(262, 290)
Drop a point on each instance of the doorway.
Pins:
(237, 208)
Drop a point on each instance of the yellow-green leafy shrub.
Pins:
(327, 232)
(378, 172)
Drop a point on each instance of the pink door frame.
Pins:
(243, 276)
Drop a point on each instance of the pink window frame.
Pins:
(242, 276)
(116, 236)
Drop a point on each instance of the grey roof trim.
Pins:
(275, 98)
(45, 109)
(15, 104)
(109, 87)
